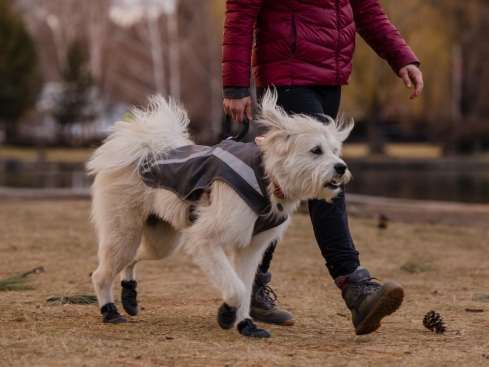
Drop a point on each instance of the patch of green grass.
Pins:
(15, 283)
(74, 299)
(482, 297)
(413, 267)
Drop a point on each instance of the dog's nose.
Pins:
(340, 168)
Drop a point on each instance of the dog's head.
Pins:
(302, 155)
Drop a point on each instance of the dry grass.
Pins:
(177, 325)
(397, 150)
(419, 150)
(51, 154)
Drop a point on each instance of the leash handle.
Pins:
(242, 133)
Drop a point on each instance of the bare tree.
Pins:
(138, 48)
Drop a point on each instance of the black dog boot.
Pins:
(129, 297)
(226, 316)
(110, 314)
(248, 328)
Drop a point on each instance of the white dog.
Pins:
(300, 159)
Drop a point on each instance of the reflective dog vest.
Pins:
(187, 171)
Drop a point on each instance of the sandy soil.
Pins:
(177, 324)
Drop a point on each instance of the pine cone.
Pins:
(434, 322)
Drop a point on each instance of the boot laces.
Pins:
(367, 287)
(264, 295)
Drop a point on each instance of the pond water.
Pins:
(70, 178)
(470, 186)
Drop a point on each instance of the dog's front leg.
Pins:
(209, 255)
(225, 222)
(246, 261)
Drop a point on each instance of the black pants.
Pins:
(329, 220)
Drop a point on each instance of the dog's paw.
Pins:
(110, 314)
(226, 316)
(249, 329)
(129, 297)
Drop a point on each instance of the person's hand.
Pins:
(236, 108)
(410, 74)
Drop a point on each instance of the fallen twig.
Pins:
(474, 310)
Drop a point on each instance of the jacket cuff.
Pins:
(235, 92)
(416, 63)
(412, 63)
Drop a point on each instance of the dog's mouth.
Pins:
(333, 184)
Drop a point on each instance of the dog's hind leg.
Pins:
(118, 246)
(160, 240)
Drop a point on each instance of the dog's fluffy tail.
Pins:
(162, 126)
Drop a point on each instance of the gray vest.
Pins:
(188, 170)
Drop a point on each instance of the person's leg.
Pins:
(368, 301)
(267, 258)
(293, 100)
(263, 307)
(334, 239)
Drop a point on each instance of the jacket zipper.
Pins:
(294, 35)
(339, 42)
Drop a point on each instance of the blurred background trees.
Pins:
(20, 78)
(75, 104)
(138, 47)
(451, 40)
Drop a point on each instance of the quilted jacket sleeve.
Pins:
(376, 29)
(237, 41)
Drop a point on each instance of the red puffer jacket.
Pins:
(304, 42)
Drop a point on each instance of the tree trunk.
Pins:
(376, 141)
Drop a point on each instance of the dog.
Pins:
(298, 157)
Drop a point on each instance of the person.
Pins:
(304, 50)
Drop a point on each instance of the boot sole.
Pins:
(274, 322)
(389, 302)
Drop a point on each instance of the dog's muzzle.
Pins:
(333, 184)
(340, 170)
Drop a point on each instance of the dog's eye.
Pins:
(317, 150)
(336, 152)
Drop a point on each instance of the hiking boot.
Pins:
(263, 307)
(369, 302)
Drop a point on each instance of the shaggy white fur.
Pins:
(300, 155)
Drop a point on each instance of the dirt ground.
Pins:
(443, 266)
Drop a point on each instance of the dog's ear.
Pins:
(272, 115)
(343, 128)
(259, 140)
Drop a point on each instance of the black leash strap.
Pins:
(227, 128)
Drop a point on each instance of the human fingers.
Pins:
(404, 74)
(417, 78)
(231, 108)
(225, 105)
(248, 109)
(234, 108)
